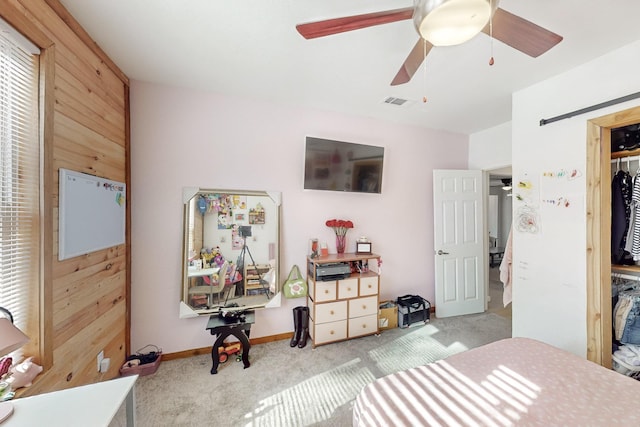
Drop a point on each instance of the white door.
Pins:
(459, 242)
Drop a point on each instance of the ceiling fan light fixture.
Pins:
(450, 22)
(506, 184)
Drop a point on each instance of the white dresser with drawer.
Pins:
(345, 307)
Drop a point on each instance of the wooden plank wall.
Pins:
(85, 306)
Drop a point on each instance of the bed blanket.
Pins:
(512, 382)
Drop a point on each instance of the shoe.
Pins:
(297, 319)
(304, 327)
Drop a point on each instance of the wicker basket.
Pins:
(142, 369)
(625, 368)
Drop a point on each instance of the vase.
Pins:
(341, 243)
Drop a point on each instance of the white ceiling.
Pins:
(252, 49)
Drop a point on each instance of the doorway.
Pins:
(459, 242)
(499, 217)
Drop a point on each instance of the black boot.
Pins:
(304, 327)
(297, 316)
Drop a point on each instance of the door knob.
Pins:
(441, 252)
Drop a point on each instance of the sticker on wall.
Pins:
(224, 221)
(560, 182)
(526, 198)
(237, 241)
(568, 174)
(238, 202)
(561, 202)
(527, 220)
(524, 191)
(561, 195)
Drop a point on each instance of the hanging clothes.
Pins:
(621, 190)
(626, 316)
(506, 269)
(635, 204)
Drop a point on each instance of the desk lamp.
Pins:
(11, 339)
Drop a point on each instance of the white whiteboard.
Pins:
(91, 214)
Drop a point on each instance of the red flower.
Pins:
(340, 226)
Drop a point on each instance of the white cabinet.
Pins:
(346, 307)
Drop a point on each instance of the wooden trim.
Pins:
(71, 22)
(127, 154)
(596, 236)
(207, 350)
(19, 19)
(16, 16)
(271, 338)
(47, 107)
(599, 312)
(187, 353)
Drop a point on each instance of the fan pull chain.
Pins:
(424, 45)
(491, 61)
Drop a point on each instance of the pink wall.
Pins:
(185, 138)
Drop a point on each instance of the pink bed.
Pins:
(512, 382)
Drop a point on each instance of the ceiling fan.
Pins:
(445, 23)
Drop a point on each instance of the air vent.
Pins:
(395, 101)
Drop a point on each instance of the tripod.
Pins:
(240, 263)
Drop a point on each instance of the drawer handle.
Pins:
(364, 307)
(331, 332)
(369, 285)
(326, 291)
(348, 289)
(332, 312)
(364, 326)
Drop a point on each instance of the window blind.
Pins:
(19, 182)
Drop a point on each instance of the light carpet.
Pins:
(300, 387)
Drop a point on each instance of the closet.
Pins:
(599, 228)
(625, 239)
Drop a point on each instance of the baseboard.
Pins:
(207, 350)
(253, 341)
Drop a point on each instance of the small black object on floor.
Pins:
(301, 326)
(412, 309)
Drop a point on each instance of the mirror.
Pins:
(230, 250)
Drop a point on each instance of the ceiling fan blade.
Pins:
(412, 63)
(521, 34)
(312, 30)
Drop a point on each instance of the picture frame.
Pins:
(363, 247)
(314, 248)
(256, 217)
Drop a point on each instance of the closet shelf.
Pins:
(633, 269)
(623, 154)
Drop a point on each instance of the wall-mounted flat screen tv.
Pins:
(342, 166)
